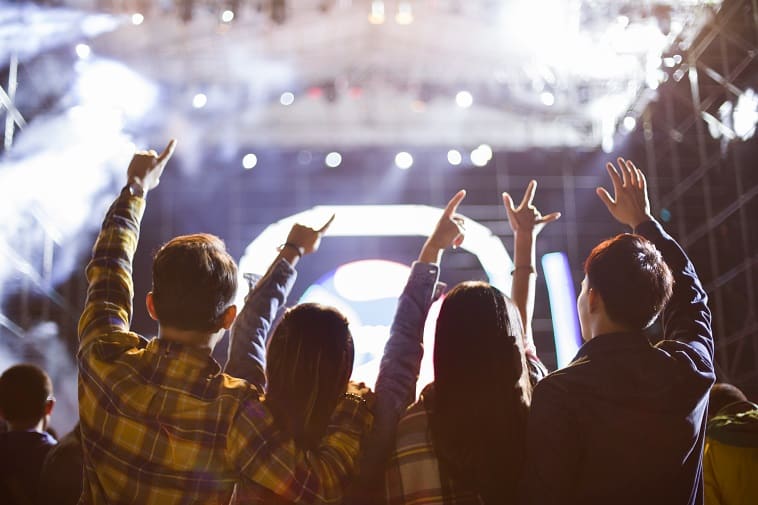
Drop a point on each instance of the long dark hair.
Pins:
(481, 391)
(309, 361)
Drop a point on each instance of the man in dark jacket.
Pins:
(624, 422)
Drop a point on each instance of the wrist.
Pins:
(135, 188)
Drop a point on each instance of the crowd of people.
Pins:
(161, 423)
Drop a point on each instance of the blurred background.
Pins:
(379, 110)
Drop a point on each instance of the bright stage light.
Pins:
(454, 157)
(464, 100)
(137, 18)
(83, 51)
(486, 151)
(403, 160)
(479, 157)
(745, 114)
(629, 123)
(560, 290)
(547, 98)
(404, 14)
(376, 17)
(287, 98)
(333, 159)
(249, 161)
(227, 16)
(199, 100)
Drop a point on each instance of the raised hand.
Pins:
(360, 389)
(306, 239)
(449, 231)
(146, 167)
(630, 204)
(526, 218)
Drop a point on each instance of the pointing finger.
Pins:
(549, 218)
(166, 154)
(326, 226)
(452, 205)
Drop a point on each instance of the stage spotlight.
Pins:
(403, 160)
(137, 18)
(199, 101)
(376, 17)
(464, 99)
(479, 157)
(629, 123)
(249, 161)
(547, 98)
(486, 151)
(333, 159)
(404, 14)
(454, 157)
(227, 16)
(287, 98)
(83, 51)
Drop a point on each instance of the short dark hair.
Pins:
(194, 281)
(634, 282)
(24, 392)
(308, 364)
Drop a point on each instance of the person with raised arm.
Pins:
(624, 422)
(160, 423)
(462, 442)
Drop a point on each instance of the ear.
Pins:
(150, 304)
(595, 301)
(49, 404)
(228, 316)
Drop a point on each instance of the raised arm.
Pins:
(108, 306)
(526, 222)
(247, 346)
(401, 362)
(686, 318)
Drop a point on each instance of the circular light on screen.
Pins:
(629, 123)
(454, 157)
(464, 99)
(137, 18)
(287, 98)
(333, 159)
(249, 161)
(486, 151)
(227, 16)
(199, 100)
(403, 160)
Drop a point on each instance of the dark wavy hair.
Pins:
(308, 364)
(194, 281)
(629, 267)
(481, 392)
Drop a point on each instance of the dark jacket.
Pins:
(21, 456)
(625, 421)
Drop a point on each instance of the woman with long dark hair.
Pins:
(463, 442)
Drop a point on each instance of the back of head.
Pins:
(308, 364)
(634, 282)
(194, 281)
(24, 392)
(723, 394)
(481, 391)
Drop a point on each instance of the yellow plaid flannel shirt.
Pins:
(162, 425)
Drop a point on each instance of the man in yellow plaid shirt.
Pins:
(160, 423)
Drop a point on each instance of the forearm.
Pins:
(524, 280)
(686, 317)
(247, 347)
(400, 366)
(108, 305)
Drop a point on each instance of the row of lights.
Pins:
(403, 160)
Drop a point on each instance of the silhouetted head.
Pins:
(194, 283)
(308, 365)
(26, 396)
(727, 395)
(629, 275)
(481, 390)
